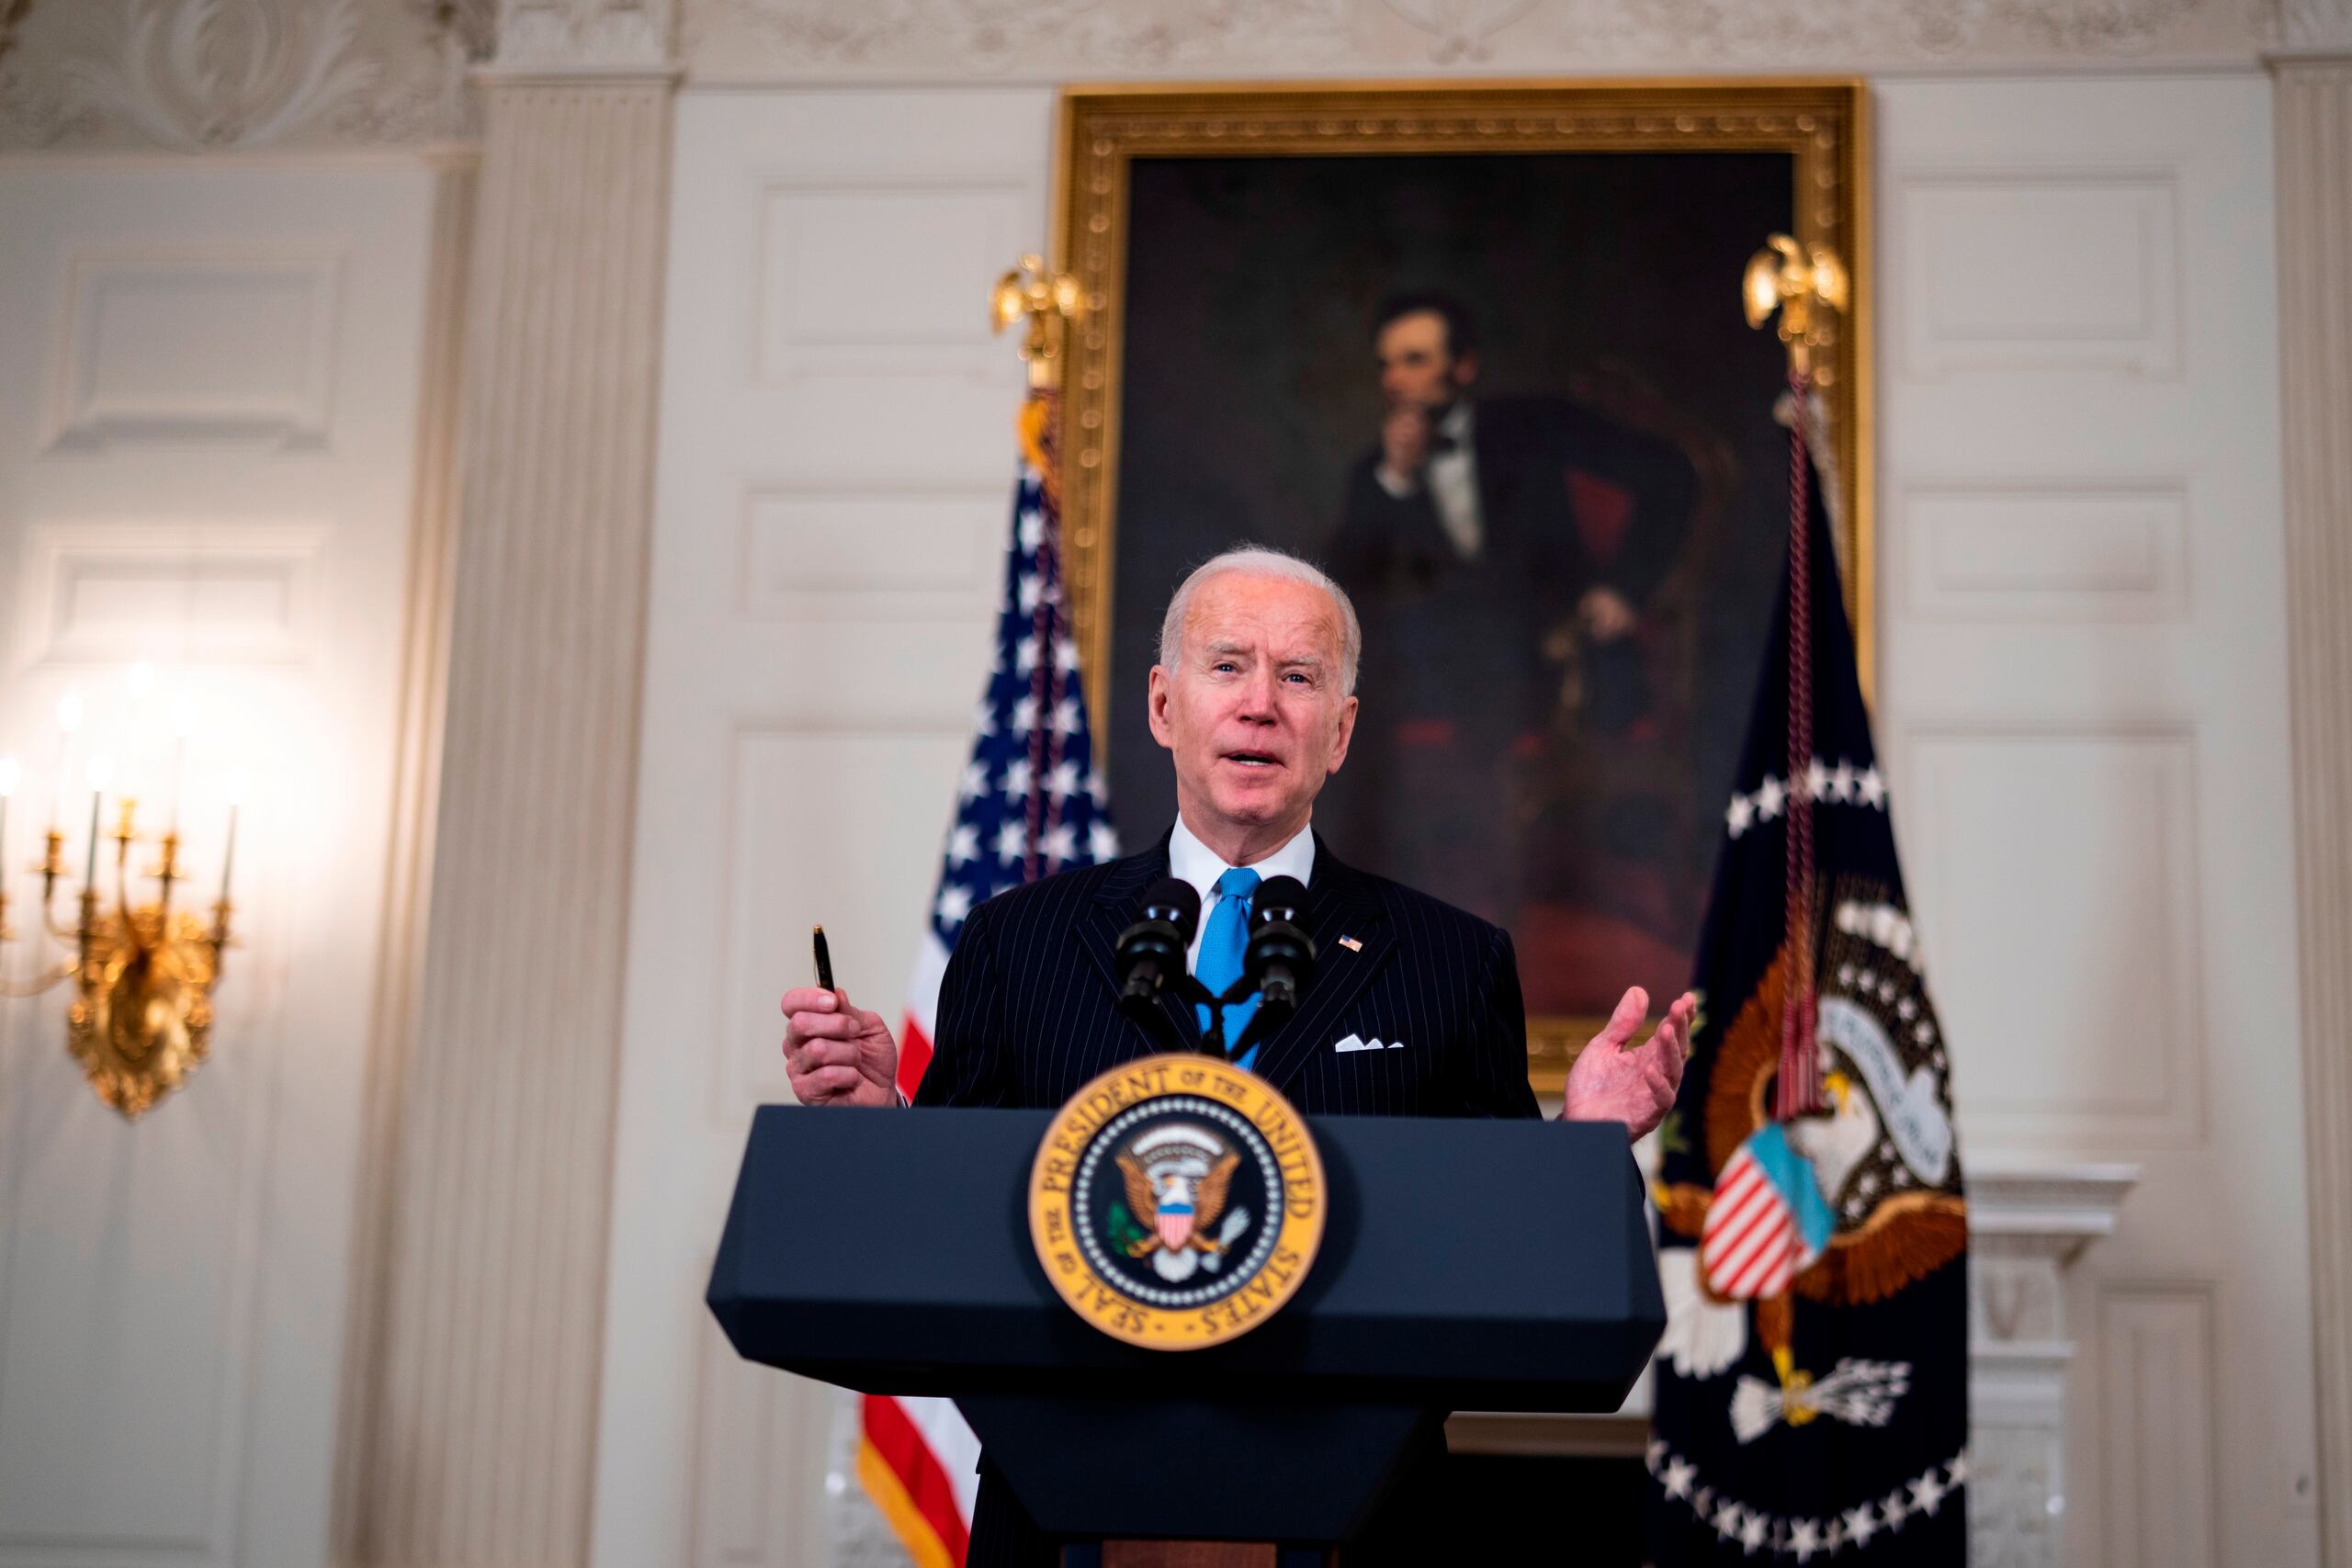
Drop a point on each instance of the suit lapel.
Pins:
(1117, 903)
(1342, 903)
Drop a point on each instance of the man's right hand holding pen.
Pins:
(835, 1053)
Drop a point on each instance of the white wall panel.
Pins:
(169, 340)
(2038, 269)
(864, 277)
(2156, 1376)
(760, 1465)
(207, 457)
(2079, 552)
(834, 553)
(192, 591)
(109, 1325)
(2079, 1004)
(2083, 703)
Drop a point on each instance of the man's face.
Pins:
(1253, 713)
(1418, 366)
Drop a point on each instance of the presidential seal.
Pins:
(1177, 1202)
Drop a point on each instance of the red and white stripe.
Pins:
(918, 1461)
(1749, 1247)
(922, 1025)
(925, 1455)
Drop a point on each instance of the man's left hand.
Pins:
(1614, 1080)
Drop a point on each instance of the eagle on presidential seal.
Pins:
(1177, 1178)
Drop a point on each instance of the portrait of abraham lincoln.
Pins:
(1509, 402)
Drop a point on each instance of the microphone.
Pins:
(1280, 955)
(1152, 951)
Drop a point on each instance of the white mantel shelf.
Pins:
(2014, 1203)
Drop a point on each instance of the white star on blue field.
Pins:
(989, 847)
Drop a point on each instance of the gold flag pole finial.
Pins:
(1050, 302)
(1808, 287)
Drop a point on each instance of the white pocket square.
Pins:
(1353, 1043)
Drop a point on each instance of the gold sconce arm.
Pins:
(41, 980)
(52, 871)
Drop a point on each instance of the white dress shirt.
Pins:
(1189, 860)
(1452, 479)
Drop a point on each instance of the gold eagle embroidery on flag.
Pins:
(1900, 1237)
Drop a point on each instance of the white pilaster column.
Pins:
(476, 1444)
(2026, 1224)
(2313, 106)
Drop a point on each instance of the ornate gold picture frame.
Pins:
(1813, 133)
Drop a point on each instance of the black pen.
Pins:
(824, 961)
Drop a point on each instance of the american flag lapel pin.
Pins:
(1352, 944)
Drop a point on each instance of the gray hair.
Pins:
(1256, 560)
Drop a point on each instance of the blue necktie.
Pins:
(1220, 960)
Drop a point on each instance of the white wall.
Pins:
(2083, 706)
(207, 438)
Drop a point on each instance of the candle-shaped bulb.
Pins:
(235, 787)
(182, 726)
(139, 682)
(101, 771)
(68, 710)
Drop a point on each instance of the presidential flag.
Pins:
(1811, 1388)
(1029, 803)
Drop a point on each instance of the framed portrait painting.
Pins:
(1479, 352)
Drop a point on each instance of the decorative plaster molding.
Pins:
(2316, 27)
(587, 36)
(200, 75)
(12, 16)
(1055, 41)
(1045, 39)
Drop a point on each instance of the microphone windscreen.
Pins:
(1175, 901)
(1280, 898)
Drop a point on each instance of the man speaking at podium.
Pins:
(1413, 1008)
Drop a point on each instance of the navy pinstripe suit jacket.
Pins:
(1028, 1014)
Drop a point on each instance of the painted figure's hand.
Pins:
(1605, 615)
(1615, 1081)
(835, 1053)
(1405, 443)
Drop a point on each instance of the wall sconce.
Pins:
(142, 974)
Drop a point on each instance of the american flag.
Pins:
(1029, 803)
